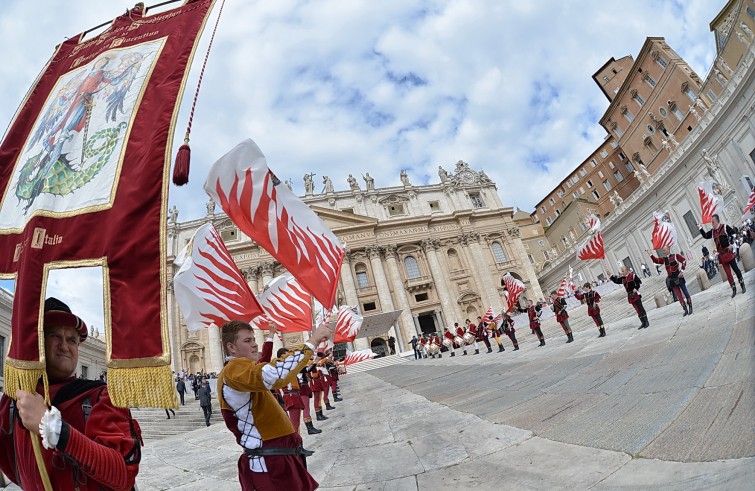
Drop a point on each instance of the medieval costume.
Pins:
(273, 455)
(675, 264)
(726, 257)
(631, 284)
(533, 314)
(591, 297)
(507, 324)
(562, 316)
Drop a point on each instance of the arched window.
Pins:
(411, 267)
(498, 254)
(362, 280)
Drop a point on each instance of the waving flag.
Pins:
(357, 356)
(286, 304)
(664, 232)
(563, 288)
(514, 289)
(488, 315)
(709, 202)
(348, 324)
(274, 217)
(208, 286)
(592, 248)
(750, 203)
(594, 223)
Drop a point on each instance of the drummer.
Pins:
(472, 329)
(436, 342)
(448, 341)
(460, 337)
(423, 346)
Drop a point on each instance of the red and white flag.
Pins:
(286, 304)
(594, 223)
(208, 286)
(563, 288)
(709, 202)
(488, 315)
(592, 248)
(324, 345)
(357, 356)
(750, 204)
(664, 232)
(348, 324)
(514, 289)
(274, 217)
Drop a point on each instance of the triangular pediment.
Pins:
(335, 219)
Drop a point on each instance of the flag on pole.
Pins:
(664, 232)
(274, 217)
(594, 223)
(286, 304)
(208, 286)
(348, 324)
(563, 288)
(592, 248)
(488, 315)
(514, 289)
(357, 356)
(709, 202)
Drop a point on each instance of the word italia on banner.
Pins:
(87, 158)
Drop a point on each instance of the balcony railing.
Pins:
(418, 283)
(367, 290)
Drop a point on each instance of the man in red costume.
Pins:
(562, 316)
(482, 333)
(592, 298)
(507, 324)
(85, 442)
(726, 257)
(631, 284)
(447, 335)
(675, 264)
(273, 456)
(534, 311)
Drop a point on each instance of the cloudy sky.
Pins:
(337, 87)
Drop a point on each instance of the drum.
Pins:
(459, 341)
(433, 349)
(469, 338)
(448, 343)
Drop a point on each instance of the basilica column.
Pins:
(216, 351)
(406, 322)
(267, 272)
(381, 282)
(521, 254)
(347, 280)
(250, 275)
(173, 329)
(430, 246)
(481, 270)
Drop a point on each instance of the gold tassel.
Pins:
(25, 379)
(142, 387)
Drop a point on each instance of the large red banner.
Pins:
(84, 177)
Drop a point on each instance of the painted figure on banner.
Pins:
(79, 137)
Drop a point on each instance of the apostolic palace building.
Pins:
(432, 254)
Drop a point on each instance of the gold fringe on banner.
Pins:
(24, 379)
(142, 387)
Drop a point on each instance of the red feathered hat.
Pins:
(59, 314)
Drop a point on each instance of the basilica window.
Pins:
(604, 153)
(649, 80)
(629, 166)
(711, 95)
(689, 92)
(595, 195)
(618, 176)
(548, 220)
(628, 114)
(361, 272)
(638, 99)
(476, 200)
(661, 61)
(411, 267)
(453, 260)
(396, 209)
(677, 112)
(607, 185)
(619, 131)
(498, 254)
(229, 234)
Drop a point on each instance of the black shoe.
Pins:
(602, 332)
(440, 356)
(689, 306)
(686, 312)
(337, 399)
(490, 350)
(464, 354)
(477, 352)
(733, 290)
(742, 284)
(516, 348)
(320, 416)
(311, 430)
(501, 348)
(542, 342)
(571, 338)
(453, 354)
(328, 406)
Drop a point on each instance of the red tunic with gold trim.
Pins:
(103, 451)
(507, 324)
(460, 331)
(631, 284)
(448, 335)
